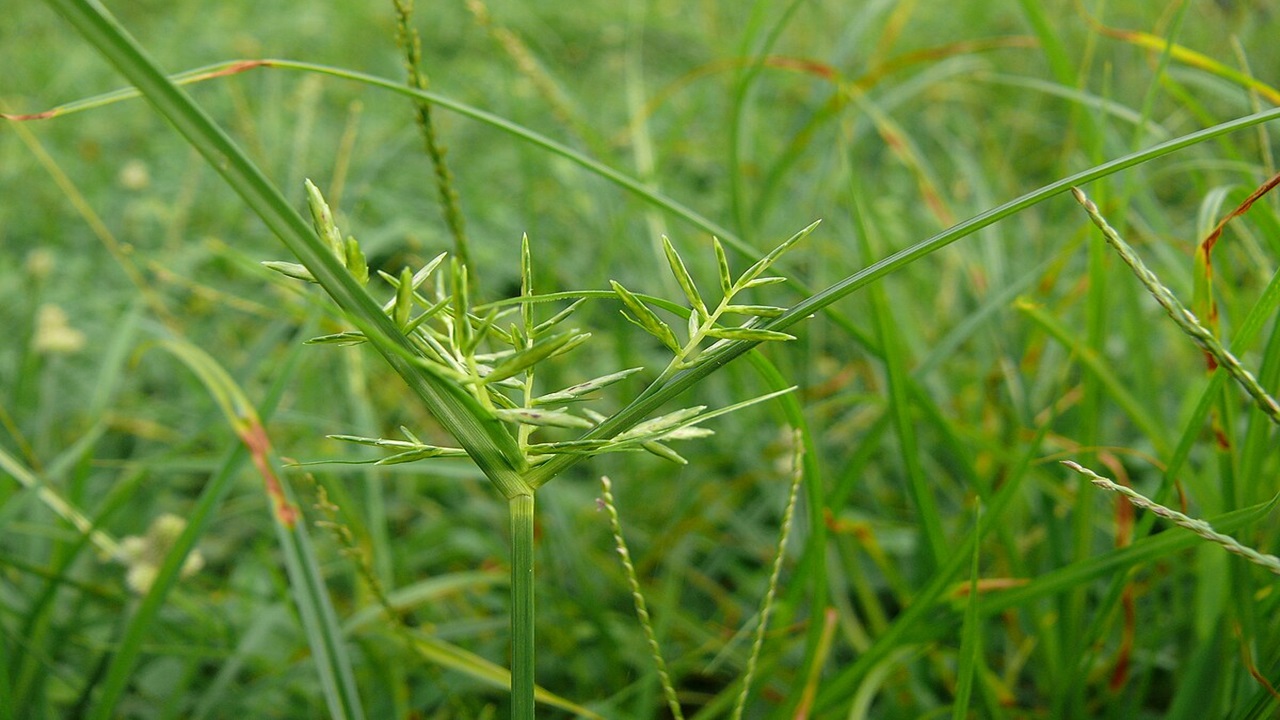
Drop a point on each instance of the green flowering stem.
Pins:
(703, 323)
(411, 47)
(1199, 527)
(788, 515)
(642, 608)
(1185, 319)
(520, 509)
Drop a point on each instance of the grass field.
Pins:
(181, 537)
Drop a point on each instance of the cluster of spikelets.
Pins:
(492, 350)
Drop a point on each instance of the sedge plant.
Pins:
(487, 356)
(473, 365)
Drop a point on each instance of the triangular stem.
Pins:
(520, 509)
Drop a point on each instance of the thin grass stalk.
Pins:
(411, 46)
(26, 666)
(1257, 444)
(788, 515)
(35, 483)
(1097, 366)
(1182, 317)
(528, 64)
(1069, 694)
(345, 538)
(1264, 704)
(826, 638)
(357, 394)
(637, 598)
(99, 228)
(970, 637)
(1244, 337)
(319, 619)
(1199, 527)
(641, 140)
(812, 563)
(1066, 70)
(6, 684)
(520, 509)
(38, 624)
(1155, 85)
(1149, 549)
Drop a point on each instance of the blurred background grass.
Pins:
(931, 112)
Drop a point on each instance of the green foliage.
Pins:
(650, 156)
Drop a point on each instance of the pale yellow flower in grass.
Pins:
(40, 263)
(54, 334)
(144, 554)
(134, 175)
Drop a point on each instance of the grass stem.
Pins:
(788, 515)
(1199, 527)
(411, 46)
(520, 508)
(637, 597)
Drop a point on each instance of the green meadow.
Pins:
(486, 359)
